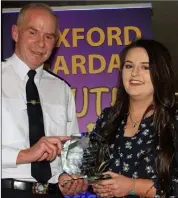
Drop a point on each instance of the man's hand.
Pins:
(47, 148)
(74, 187)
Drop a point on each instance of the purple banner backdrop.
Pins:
(87, 54)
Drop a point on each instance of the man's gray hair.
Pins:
(31, 6)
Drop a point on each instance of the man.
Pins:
(38, 112)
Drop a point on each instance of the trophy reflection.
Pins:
(87, 155)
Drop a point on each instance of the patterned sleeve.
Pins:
(174, 178)
(173, 184)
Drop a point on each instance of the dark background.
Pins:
(164, 20)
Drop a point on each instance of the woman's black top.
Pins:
(134, 157)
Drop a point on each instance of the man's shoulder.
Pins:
(5, 62)
(50, 75)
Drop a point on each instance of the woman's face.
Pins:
(136, 75)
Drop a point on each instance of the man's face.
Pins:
(35, 37)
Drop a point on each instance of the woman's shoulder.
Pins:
(103, 117)
(105, 113)
(106, 110)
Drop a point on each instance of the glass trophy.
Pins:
(87, 155)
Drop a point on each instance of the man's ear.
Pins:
(15, 33)
(57, 35)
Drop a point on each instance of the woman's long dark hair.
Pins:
(162, 76)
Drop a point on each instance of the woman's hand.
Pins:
(118, 186)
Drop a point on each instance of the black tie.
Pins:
(41, 171)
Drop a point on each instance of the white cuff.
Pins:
(9, 157)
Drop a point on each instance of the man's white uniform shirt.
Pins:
(59, 115)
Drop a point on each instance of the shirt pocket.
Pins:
(55, 119)
(14, 122)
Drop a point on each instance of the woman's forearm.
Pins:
(144, 187)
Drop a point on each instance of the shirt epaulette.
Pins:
(51, 73)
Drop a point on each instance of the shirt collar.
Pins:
(21, 69)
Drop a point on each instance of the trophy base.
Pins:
(98, 177)
(91, 180)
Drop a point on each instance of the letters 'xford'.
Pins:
(110, 36)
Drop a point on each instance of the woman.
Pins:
(140, 127)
